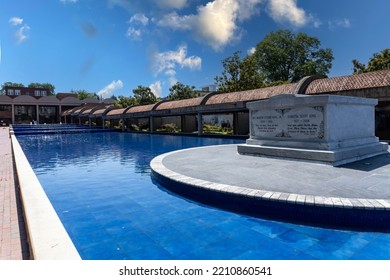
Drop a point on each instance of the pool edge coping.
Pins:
(46, 234)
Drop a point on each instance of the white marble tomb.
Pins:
(327, 128)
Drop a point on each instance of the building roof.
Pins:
(5, 98)
(352, 82)
(116, 112)
(249, 95)
(49, 100)
(140, 109)
(24, 99)
(99, 112)
(88, 111)
(70, 111)
(80, 110)
(62, 95)
(70, 100)
(102, 110)
(180, 103)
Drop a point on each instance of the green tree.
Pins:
(47, 86)
(124, 102)
(379, 61)
(144, 96)
(83, 94)
(180, 91)
(239, 74)
(250, 76)
(10, 84)
(284, 56)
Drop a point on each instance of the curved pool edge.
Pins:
(46, 234)
(335, 212)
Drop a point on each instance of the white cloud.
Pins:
(20, 34)
(251, 51)
(68, 1)
(134, 34)
(343, 23)
(109, 90)
(139, 18)
(172, 80)
(170, 72)
(125, 4)
(176, 22)
(15, 21)
(167, 61)
(175, 4)
(156, 88)
(215, 23)
(316, 22)
(288, 11)
(248, 8)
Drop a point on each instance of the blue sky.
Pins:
(112, 46)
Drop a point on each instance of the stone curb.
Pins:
(47, 235)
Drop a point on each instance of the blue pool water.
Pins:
(101, 188)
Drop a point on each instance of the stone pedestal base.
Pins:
(334, 157)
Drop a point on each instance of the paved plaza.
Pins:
(317, 191)
(13, 238)
(365, 179)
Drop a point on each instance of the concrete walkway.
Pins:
(13, 238)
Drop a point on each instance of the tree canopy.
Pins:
(180, 91)
(50, 88)
(124, 102)
(144, 96)
(284, 56)
(83, 94)
(379, 61)
(239, 74)
(47, 86)
(10, 84)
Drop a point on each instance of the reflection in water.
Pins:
(49, 152)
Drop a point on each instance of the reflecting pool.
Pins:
(101, 188)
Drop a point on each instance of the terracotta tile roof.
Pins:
(86, 112)
(180, 103)
(82, 109)
(142, 108)
(345, 83)
(78, 110)
(116, 112)
(67, 112)
(91, 109)
(99, 112)
(248, 95)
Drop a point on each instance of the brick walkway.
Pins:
(13, 238)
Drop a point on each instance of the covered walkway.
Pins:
(226, 113)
